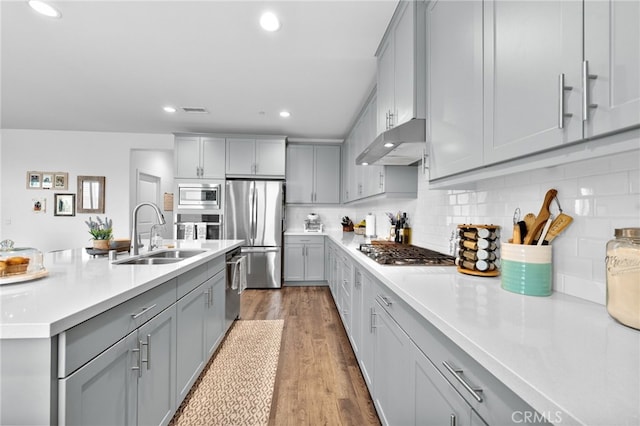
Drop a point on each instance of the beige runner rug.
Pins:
(236, 387)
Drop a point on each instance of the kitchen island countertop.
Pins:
(564, 356)
(80, 286)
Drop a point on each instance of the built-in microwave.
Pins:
(199, 196)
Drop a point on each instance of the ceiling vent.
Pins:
(195, 110)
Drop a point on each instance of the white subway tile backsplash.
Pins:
(585, 289)
(611, 184)
(634, 182)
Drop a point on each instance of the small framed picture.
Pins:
(47, 180)
(39, 205)
(34, 180)
(61, 181)
(65, 204)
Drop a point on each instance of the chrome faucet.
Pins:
(134, 239)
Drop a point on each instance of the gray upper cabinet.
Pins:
(400, 75)
(313, 174)
(454, 86)
(255, 157)
(199, 157)
(612, 56)
(554, 73)
(529, 46)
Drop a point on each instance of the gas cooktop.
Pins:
(388, 253)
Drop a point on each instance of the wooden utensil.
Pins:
(558, 225)
(529, 220)
(542, 217)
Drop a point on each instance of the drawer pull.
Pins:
(142, 312)
(372, 319)
(457, 373)
(148, 345)
(452, 420)
(385, 300)
(139, 351)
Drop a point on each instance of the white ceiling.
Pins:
(113, 65)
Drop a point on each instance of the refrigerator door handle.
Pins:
(255, 213)
(252, 210)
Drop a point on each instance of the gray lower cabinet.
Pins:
(415, 373)
(132, 382)
(436, 401)
(200, 330)
(391, 362)
(304, 258)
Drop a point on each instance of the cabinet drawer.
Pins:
(83, 342)
(215, 266)
(304, 239)
(498, 402)
(192, 279)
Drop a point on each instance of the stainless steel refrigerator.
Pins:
(254, 212)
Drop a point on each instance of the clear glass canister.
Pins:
(623, 277)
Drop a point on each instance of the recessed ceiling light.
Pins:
(365, 164)
(388, 144)
(44, 8)
(169, 109)
(285, 114)
(269, 22)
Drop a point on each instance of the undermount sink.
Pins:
(160, 258)
(148, 261)
(173, 254)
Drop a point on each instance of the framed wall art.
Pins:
(39, 205)
(64, 204)
(61, 181)
(34, 180)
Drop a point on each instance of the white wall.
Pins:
(78, 153)
(600, 194)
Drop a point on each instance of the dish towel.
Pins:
(238, 273)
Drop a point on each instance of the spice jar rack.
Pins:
(478, 250)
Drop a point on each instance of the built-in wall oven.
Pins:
(190, 226)
(201, 196)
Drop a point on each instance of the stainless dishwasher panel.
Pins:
(264, 267)
(232, 295)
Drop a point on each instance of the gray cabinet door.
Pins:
(436, 402)
(392, 356)
(212, 157)
(299, 174)
(356, 311)
(314, 262)
(368, 329)
(270, 157)
(190, 354)
(215, 312)
(105, 390)
(326, 174)
(240, 156)
(528, 45)
(157, 378)
(454, 86)
(294, 260)
(612, 49)
(187, 153)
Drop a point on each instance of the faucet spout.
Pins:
(135, 244)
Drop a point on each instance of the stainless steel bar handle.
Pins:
(372, 316)
(148, 345)
(561, 114)
(457, 373)
(142, 312)
(207, 299)
(452, 420)
(211, 296)
(385, 300)
(139, 351)
(586, 98)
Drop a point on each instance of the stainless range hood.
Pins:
(402, 145)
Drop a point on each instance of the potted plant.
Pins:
(101, 231)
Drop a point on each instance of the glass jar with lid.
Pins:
(16, 262)
(623, 277)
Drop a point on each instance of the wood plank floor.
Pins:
(318, 380)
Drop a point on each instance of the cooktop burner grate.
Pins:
(399, 254)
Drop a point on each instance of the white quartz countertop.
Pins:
(563, 355)
(80, 286)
